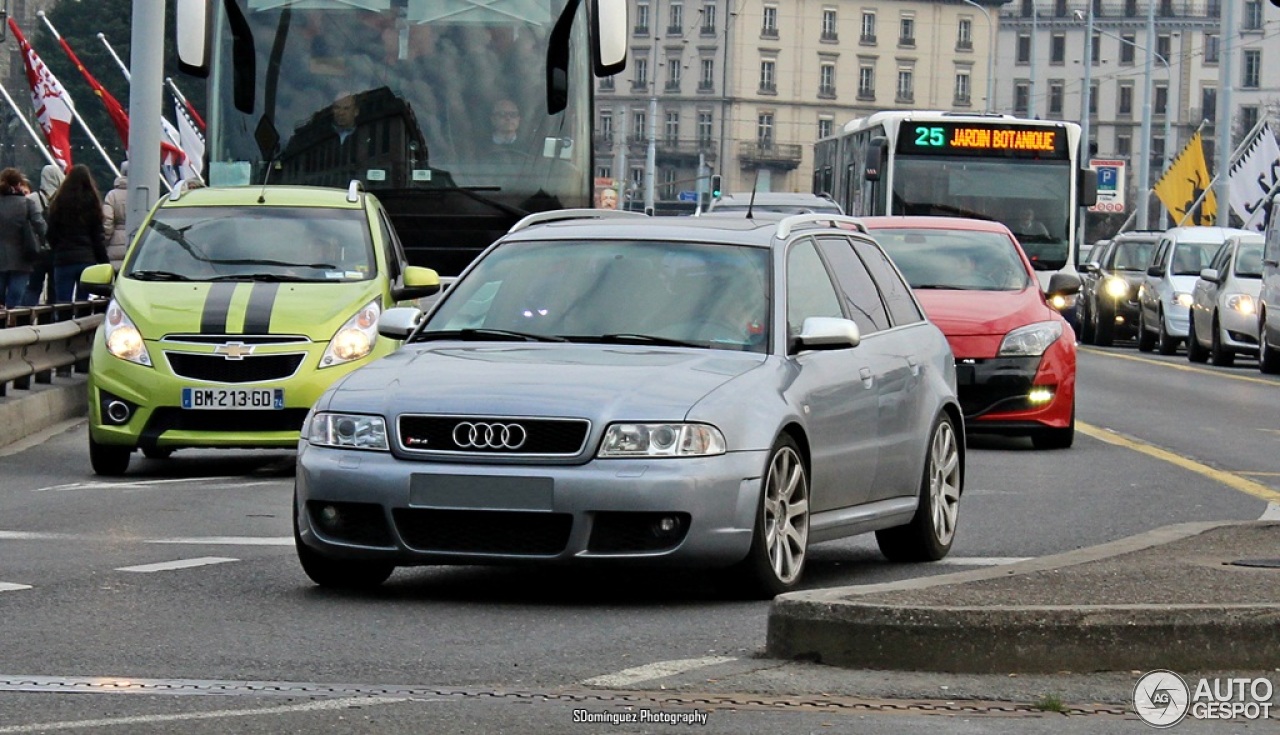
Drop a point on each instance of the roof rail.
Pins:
(557, 215)
(787, 224)
(353, 190)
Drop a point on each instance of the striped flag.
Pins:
(192, 143)
(51, 102)
(1253, 176)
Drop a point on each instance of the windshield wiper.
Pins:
(158, 276)
(943, 287)
(474, 335)
(638, 339)
(265, 277)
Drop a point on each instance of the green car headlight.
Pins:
(348, 431)
(355, 339)
(122, 338)
(661, 440)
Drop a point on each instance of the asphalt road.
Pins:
(181, 579)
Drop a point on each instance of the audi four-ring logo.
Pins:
(480, 435)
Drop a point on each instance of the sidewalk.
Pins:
(1173, 598)
(25, 412)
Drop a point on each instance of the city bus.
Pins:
(405, 96)
(983, 166)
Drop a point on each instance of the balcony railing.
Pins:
(785, 155)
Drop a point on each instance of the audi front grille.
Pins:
(494, 435)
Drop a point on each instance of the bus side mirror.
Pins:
(609, 36)
(194, 24)
(1088, 187)
(875, 159)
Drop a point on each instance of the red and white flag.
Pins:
(192, 143)
(51, 102)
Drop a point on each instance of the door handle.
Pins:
(867, 379)
(914, 364)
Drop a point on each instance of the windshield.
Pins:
(955, 259)
(1189, 258)
(405, 95)
(1131, 255)
(1032, 198)
(588, 291)
(254, 243)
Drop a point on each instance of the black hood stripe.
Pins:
(262, 299)
(217, 303)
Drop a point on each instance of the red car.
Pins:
(1015, 355)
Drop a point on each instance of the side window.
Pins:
(1272, 247)
(391, 247)
(896, 292)
(809, 288)
(861, 295)
(1162, 254)
(1222, 258)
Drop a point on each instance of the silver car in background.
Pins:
(602, 387)
(1164, 298)
(1224, 307)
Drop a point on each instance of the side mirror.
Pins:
(98, 279)
(609, 36)
(874, 162)
(193, 20)
(399, 322)
(1211, 275)
(828, 333)
(1061, 284)
(417, 282)
(1154, 271)
(1088, 187)
(1090, 267)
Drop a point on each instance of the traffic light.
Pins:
(715, 186)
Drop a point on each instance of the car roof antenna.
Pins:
(751, 203)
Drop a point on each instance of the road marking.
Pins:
(981, 561)
(1175, 366)
(165, 566)
(1231, 480)
(1272, 513)
(13, 586)
(35, 536)
(658, 670)
(320, 706)
(227, 541)
(227, 481)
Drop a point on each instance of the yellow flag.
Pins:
(1184, 182)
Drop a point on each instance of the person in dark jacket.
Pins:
(40, 285)
(75, 231)
(18, 246)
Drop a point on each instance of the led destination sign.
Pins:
(983, 139)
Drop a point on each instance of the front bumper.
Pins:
(375, 506)
(1017, 395)
(1240, 330)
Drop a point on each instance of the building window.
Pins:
(827, 80)
(964, 35)
(769, 28)
(1096, 51)
(1056, 88)
(1028, 8)
(671, 127)
(866, 82)
(639, 126)
(641, 79)
(907, 31)
(1164, 46)
(676, 25)
(606, 125)
(642, 19)
(708, 27)
(1124, 145)
(829, 26)
(1124, 100)
(768, 70)
(764, 129)
(669, 183)
(1214, 9)
(1160, 106)
(705, 128)
(1127, 48)
(1021, 98)
(1209, 103)
(706, 75)
(1210, 48)
(673, 75)
(906, 85)
(1166, 8)
(1093, 98)
(1130, 8)
(1060, 8)
(825, 127)
(962, 88)
(1058, 48)
(604, 172)
(1248, 118)
(1157, 148)
(868, 28)
(1251, 68)
(1252, 15)
(1024, 48)
(607, 83)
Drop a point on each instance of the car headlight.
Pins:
(1183, 299)
(1116, 287)
(1061, 302)
(661, 440)
(1241, 302)
(122, 337)
(1031, 340)
(347, 431)
(355, 339)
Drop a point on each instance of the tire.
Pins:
(338, 574)
(1166, 344)
(109, 460)
(1087, 332)
(1146, 340)
(1219, 355)
(929, 535)
(157, 453)
(1056, 438)
(1268, 359)
(780, 543)
(1104, 330)
(1195, 351)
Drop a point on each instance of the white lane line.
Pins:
(981, 561)
(226, 541)
(658, 670)
(166, 566)
(1272, 513)
(320, 706)
(13, 586)
(36, 536)
(226, 481)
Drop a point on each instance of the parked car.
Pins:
(1164, 298)
(233, 311)
(1224, 303)
(774, 201)
(601, 387)
(1107, 308)
(1269, 293)
(1015, 354)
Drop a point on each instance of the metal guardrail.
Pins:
(37, 342)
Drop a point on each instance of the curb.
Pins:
(837, 628)
(23, 413)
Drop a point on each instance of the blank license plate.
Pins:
(215, 399)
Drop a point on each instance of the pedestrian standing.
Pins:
(115, 206)
(75, 231)
(40, 285)
(22, 231)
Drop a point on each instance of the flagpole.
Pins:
(34, 136)
(123, 69)
(1163, 173)
(185, 103)
(72, 106)
(1218, 218)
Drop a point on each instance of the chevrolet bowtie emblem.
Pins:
(234, 350)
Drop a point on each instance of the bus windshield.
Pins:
(1033, 200)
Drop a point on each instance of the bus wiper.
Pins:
(471, 335)
(263, 277)
(158, 276)
(639, 339)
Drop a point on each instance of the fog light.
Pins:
(666, 526)
(1040, 395)
(329, 517)
(1119, 320)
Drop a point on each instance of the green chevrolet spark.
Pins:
(235, 308)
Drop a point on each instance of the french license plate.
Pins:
(214, 399)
